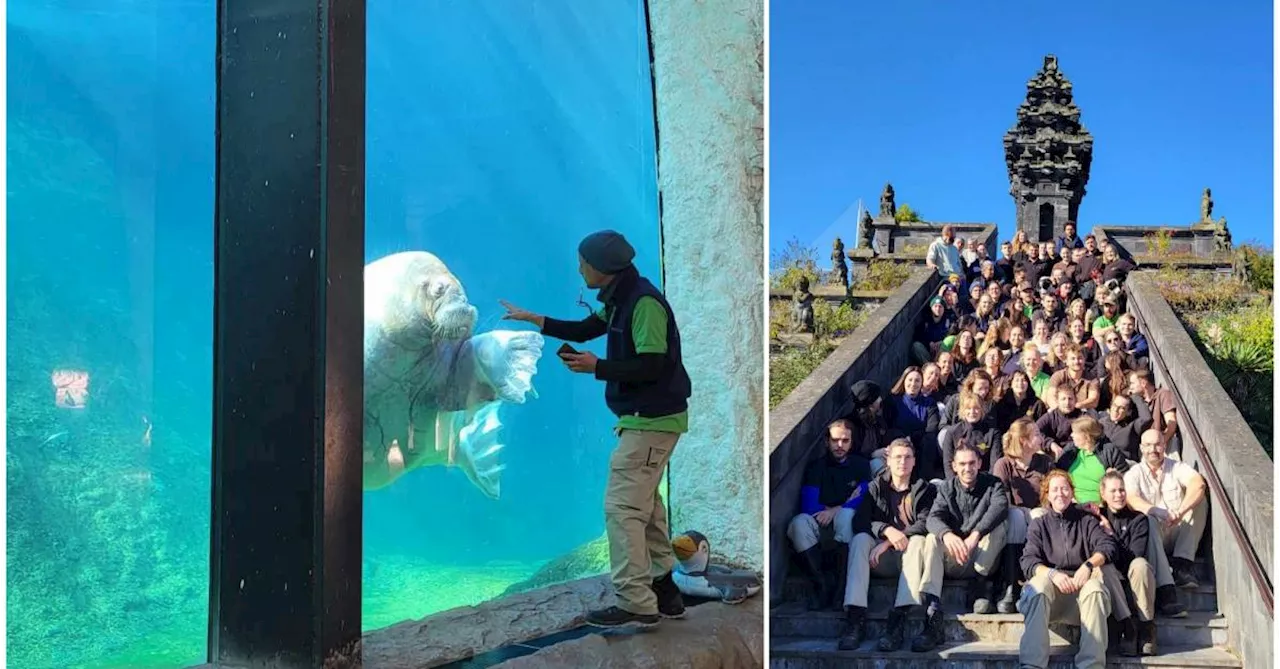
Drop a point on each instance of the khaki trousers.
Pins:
(912, 567)
(1042, 604)
(1179, 541)
(981, 561)
(635, 518)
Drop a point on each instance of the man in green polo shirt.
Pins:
(647, 388)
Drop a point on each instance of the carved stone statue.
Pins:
(839, 269)
(1206, 207)
(865, 231)
(1240, 266)
(802, 307)
(1221, 236)
(887, 207)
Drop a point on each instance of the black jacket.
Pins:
(1064, 541)
(881, 516)
(1130, 532)
(962, 511)
(983, 435)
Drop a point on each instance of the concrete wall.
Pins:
(1246, 471)
(709, 73)
(879, 351)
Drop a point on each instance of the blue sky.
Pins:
(1177, 95)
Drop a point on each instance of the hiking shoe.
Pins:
(1184, 574)
(1167, 602)
(616, 617)
(670, 601)
(855, 628)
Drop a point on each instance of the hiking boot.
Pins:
(895, 630)
(616, 617)
(1011, 571)
(670, 601)
(1184, 573)
(855, 628)
(1146, 637)
(1167, 602)
(1128, 644)
(982, 595)
(811, 562)
(933, 632)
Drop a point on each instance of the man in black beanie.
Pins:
(647, 387)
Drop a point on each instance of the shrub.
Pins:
(1191, 291)
(789, 368)
(1260, 263)
(905, 214)
(883, 275)
(795, 260)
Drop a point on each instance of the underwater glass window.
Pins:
(499, 134)
(110, 309)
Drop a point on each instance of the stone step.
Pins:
(1199, 629)
(955, 594)
(822, 654)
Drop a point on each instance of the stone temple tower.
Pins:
(1048, 152)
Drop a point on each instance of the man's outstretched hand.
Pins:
(515, 313)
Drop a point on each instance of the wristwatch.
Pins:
(1089, 565)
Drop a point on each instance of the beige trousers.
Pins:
(912, 567)
(1042, 604)
(981, 561)
(635, 518)
(1179, 541)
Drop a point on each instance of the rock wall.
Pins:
(709, 76)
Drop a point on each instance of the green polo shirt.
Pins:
(1039, 383)
(1086, 476)
(1101, 323)
(649, 331)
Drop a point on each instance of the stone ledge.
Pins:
(710, 636)
(467, 631)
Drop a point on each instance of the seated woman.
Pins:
(948, 382)
(992, 361)
(1088, 457)
(976, 428)
(1018, 401)
(964, 354)
(976, 383)
(1078, 334)
(1062, 562)
(932, 329)
(915, 415)
(1022, 467)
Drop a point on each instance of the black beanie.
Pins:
(607, 251)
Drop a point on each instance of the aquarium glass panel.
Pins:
(499, 135)
(110, 304)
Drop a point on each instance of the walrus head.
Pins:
(441, 300)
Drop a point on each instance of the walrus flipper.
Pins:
(478, 448)
(506, 360)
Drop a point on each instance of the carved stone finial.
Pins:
(839, 269)
(888, 208)
(1206, 207)
(865, 231)
(1222, 236)
(1048, 153)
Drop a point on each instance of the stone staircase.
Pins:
(802, 639)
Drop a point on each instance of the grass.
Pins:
(832, 323)
(1232, 323)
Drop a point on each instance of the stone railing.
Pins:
(878, 350)
(1187, 245)
(1220, 445)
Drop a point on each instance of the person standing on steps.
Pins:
(830, 496)
(647, 388)
(969, 521)
(1066, 549)
(898, 546)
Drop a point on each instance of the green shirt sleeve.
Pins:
(649, 326)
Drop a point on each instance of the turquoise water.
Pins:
(499, 133)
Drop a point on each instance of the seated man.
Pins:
(829, 498)
(870, 424)
(1173, 496)
(969, 519)
(1160, 405)
(1055, 425)
(898, 545)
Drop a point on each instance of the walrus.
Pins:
(431, 388)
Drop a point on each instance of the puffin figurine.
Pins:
(695, 576)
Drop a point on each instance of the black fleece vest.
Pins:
(670, 392)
